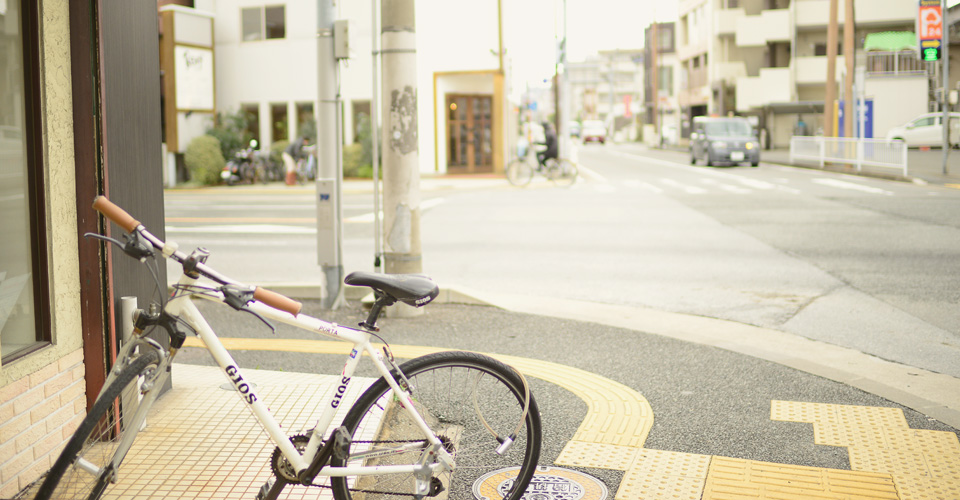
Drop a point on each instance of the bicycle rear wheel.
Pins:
(86, 466)
(465, 398)
(519, 172)
(564, 172)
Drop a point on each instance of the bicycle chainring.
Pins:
(279, 463)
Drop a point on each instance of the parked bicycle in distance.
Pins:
(560, 171)
(430, 426)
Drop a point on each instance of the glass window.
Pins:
(262, 23)
(21, 327)
(252, 24)
(306, 124)
(274, 24)
(278, 120)
(252, 112)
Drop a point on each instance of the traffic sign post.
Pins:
(930, 29)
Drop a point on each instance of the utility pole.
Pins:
(849, 31)
(830, 93)
(375, 138)
(329, 171)
(945, 54)
(655, 80)
(401, 156)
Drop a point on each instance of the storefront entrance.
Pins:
(469, 133)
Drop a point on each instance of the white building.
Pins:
(767, 58)
(266, 64)
(609, 87)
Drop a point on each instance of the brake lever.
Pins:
(272, 328)
(132, 246)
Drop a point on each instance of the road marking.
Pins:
(851, 186)
(683, 187)
(726, 187)
(368, 217)
(954, 186)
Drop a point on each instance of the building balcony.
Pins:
(813, 69)
(725, 21)
(729, 71)
(774, 25)
(773, 85)
(816, 13)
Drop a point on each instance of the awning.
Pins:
(890, 41)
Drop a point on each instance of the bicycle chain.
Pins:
(377, 492)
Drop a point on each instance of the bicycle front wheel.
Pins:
(519, 173)
(472, 403)
(90, 460)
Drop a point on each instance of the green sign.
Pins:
(931, 54)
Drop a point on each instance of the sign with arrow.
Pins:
(930, 29)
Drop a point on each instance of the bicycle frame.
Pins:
(182, 306)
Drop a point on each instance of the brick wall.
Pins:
(38, 413)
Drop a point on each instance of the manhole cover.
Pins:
(548, 483)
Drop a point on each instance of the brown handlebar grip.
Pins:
(115, 213)
(277, 301)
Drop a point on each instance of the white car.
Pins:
(926, 130)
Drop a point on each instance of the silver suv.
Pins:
(723, 140)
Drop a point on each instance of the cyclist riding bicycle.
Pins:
(291, 155)
(550, 141)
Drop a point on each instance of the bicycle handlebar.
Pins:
(118, 215)
(121, 218)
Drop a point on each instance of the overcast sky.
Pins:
(531, 27)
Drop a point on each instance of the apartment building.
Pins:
(609, 87)
(767, 58)
(663, 115)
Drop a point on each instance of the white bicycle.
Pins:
(434, 424)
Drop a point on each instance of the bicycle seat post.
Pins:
(382, 300)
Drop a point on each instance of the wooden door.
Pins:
(469, 133)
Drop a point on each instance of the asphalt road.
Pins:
(859, 262)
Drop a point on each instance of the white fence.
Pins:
(857, 152)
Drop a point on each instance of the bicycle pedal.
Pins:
(341, 443)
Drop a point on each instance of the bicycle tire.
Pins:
(463, 378)
(96, 438)
(566, 173)
(519, 173)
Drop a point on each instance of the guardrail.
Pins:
(852, 151)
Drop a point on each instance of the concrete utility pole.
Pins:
(849, 51)
(655, 81)
(830, 93)
(329, 171)
(401, 156)
(945, 55)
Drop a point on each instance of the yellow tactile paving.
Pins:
(670, 475)
(924, 464)
(616, 414)
(597, 456)
(201, 442)
(732, 478)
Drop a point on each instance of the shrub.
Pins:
(231, 131)
(352, 160)
(276, 149)
(204, 159)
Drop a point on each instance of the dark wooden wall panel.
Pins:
(130, 96)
